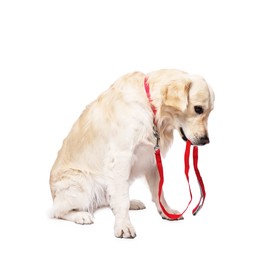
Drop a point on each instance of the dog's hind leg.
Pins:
(65, 208)
(76, 196)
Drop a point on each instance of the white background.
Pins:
(57, 56)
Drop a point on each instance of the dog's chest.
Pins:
(143, 160)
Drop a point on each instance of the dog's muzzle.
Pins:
(203, 140)
(200, 141)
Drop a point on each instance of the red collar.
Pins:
(147, 90)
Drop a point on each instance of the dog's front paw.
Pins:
(171, 211)
(124, 230)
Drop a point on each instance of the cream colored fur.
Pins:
(112, 143)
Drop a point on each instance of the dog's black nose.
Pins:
(204, 140)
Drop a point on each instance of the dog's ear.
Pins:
(176, 94)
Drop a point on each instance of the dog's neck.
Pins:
(163, 123)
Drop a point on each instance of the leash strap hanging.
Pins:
(160, 171)
(200, 181)
(187, 168)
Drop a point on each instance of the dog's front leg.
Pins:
(119, 202)
(119, 168)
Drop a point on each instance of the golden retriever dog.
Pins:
(113, 142)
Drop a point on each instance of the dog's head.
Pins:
(189, 100)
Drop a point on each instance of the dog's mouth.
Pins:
(198, 141)
(183, 135)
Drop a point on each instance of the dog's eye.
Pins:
(198, 109)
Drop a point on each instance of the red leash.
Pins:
(187, 168)
(200, 181)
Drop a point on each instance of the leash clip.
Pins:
(156, 135)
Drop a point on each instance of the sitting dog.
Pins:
(113, 142)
